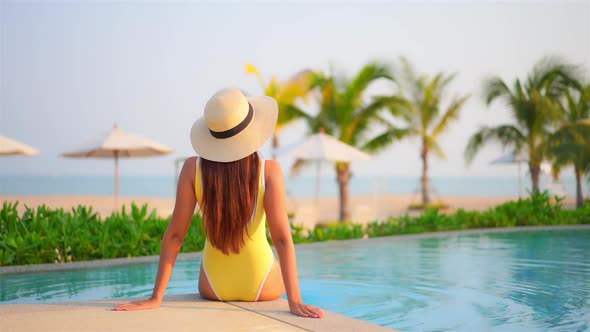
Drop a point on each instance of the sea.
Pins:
(302, 186)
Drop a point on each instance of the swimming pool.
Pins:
(516, 281)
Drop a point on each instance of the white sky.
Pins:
(69, 70)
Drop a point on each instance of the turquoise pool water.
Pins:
(519, 281)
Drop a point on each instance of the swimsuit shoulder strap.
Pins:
(198, 180)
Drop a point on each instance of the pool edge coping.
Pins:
(180, 306)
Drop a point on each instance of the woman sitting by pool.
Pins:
(235, 189)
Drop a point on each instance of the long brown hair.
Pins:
(229, 198)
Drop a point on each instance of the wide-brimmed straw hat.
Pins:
(233, 126)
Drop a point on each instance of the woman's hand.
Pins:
(305, 310)
(150, 303)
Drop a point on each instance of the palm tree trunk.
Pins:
(343, 176)
(579, 195)
(535, 171)
(425, 182)
(275, 145)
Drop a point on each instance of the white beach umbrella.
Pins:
(119, 144)
(10, 147)
(321, 147)
(511, 158)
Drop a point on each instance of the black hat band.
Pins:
(237, 129)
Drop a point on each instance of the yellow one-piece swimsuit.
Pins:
(240, 277)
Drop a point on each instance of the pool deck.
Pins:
(178, 313)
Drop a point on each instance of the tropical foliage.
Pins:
(549, 111)
(570, 143)
(287, 94)
(45, 235)
(537, 210)
(428, 119)
(349, 114)
(534, 108)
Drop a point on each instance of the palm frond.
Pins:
(296, 87)
(288, 114)
(273, 88)
(366, 116)
(494, 88)
(368, 74)
(447, 79)
(451, 114)
(585, 102)
(507, 135)
(429, 100)
(536, 105)
(433, 145)
(354, 90)
(329, 101)
(251, 69)
(398, 107)
(385, 139)
(552, 75)
(570, 144)
(407, 78)
(571, 153)
(569, 107)
(286, 93)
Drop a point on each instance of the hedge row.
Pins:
(45, 235)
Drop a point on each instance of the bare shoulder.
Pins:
(272, 171)
(188, 169)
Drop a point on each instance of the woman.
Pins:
(235, 189)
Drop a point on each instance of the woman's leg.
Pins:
(205, 289)
(273, 287)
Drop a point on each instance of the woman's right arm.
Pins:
(173, 238)
(280, 230)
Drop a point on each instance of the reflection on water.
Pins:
(521, 281)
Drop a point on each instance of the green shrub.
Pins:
(336, 231)
(536, 210)
(45, 235)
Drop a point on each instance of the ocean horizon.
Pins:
(303, 186)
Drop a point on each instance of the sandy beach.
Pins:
(361, 207)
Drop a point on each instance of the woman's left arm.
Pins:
(173, 238)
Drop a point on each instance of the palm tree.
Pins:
(347, 113)
(286, 93)
(570, 144)
(425, 114)
(533, 106)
